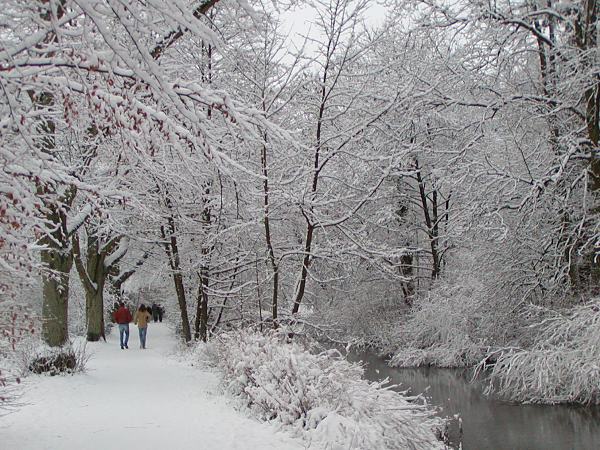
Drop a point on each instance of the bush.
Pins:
(321, 395)
(562, 366)
(444, 328)
(51, 361)
(17, 327)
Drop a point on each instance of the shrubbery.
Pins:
(562, 365)
(17, 326)
(68, 359)
(444, 328)
(321, 395)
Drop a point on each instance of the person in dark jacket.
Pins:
(155, 312)
(122, 316)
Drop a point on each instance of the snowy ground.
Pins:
(136, 399)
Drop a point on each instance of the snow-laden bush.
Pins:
(372, 324)
(17, 327)
(41, 359)
(444, 328)
(202, 354)
(563, 365)
(322, 395)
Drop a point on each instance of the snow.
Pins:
(134, 399)
(76, 222)
(118, 253)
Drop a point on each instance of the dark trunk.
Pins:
(94, 302)
(198, 309)
(204, 307)
(201, 322)
(407, 271)
(185, 321)
(57, 258)
(305, 264)
(55, 281)
(270, 250)
(174, 261)
(432, 224)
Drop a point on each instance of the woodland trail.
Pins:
(134, 399)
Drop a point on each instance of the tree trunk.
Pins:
(58, 262)
(93, 277)
(198, 309)
(94, 296)
(57, 258)
(267, 223)
(407, 271)
(305, 264)
(172, 251)
(432, 225)
(201, 322)
(94, 306)
(203, 332)
(185, 321)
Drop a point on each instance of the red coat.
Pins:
(122, 315)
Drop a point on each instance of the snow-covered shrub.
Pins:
(321, 395)
(70, 358)
(17, 326)
(372, 324)
(204, 354)
(444, 327)
(563, 365)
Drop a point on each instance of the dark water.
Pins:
(488, 423)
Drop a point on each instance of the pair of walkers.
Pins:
(122, 316)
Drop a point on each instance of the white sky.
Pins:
(299, 21)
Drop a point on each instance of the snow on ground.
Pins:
(136, 399)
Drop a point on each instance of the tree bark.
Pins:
(55, 282)
(203, 329)
(198, 309)
(431, 223)
(174, 261)
(407, 271)
(57, 258)
(268, 239)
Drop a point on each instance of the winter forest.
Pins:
(295, 180)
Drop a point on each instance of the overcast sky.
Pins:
(300, 21)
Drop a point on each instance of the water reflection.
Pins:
(489, 423)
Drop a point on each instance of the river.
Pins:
(487, 423)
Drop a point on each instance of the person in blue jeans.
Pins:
(142, 317)
(122, 316)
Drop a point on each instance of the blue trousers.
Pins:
(142, 332)
(124, 332)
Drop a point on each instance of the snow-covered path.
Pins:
(133, 399)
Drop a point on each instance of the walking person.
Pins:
(122, 316)
(141, 319)
(155, 312)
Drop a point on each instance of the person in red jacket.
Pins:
(122, 316)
